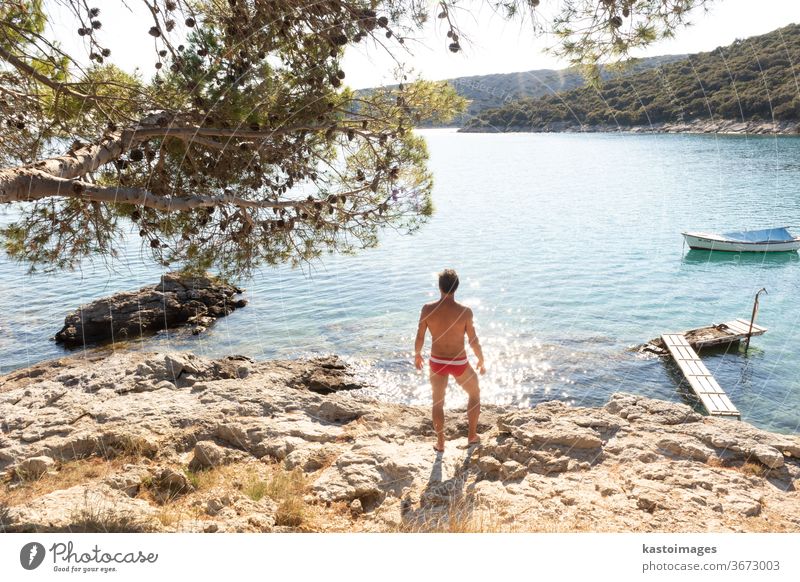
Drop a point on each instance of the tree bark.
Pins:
(28, 185)
(60, 176)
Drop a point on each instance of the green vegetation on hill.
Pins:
(750, 80)
(492, 91)
(486, 92)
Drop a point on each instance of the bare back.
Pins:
(449, 322)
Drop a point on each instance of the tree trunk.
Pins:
(48, 177)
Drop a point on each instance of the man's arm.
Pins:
(474, 343)
(419, 342)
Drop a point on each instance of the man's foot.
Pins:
(438, 450)
(471, 444)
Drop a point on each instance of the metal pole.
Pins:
(753, 318)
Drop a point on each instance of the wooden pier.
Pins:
(702, 382)
(682, 346)
(707, 337)
(724, 333)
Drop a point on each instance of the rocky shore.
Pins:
(720, 126)
(115, 441)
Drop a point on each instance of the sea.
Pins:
(569, 252)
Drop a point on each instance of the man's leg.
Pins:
(469, 382)
(438, 386)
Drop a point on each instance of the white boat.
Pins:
(754, 241)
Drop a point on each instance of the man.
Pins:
(448, 322)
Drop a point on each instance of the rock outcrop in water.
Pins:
(176, 300)
(176, 442)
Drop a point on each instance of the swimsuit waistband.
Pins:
(455, 362)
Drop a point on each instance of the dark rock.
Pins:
(325, 376)
(340, 411)
(176, 300)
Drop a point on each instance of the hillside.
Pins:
(751, 80)
(493, 91)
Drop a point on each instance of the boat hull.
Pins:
(699, 242)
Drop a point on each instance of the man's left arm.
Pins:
(474, 342)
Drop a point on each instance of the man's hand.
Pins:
(481, 367)
(418, 362)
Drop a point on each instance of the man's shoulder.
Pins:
(467, 310)
(429, 306)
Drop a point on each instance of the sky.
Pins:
(499, 46)
(495, 45)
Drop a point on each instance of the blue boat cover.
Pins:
(767, 235)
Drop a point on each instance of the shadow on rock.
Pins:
(444, 504)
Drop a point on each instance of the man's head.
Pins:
(448, 281)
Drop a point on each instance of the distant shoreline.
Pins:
(698, 126)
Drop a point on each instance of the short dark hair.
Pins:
(448, 281)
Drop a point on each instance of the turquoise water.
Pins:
(569, 251)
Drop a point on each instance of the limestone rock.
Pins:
(769, 456)
(636, 408)
(310, 458)
(489, 466)
(512, 470)
(209, 455)
(648, 501)
(356, 508)
(686, 447)
(128, 481)
(745, 506)
(83, 508)
(34, 467)
(370, 472)
(565, 435)
(174, 301)
(233, 434)
(171, 483)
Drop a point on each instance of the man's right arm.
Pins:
(419, 341)
(474, 343)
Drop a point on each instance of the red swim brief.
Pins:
(445, 366)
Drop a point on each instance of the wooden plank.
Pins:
(718, 341)
(700, 379)
(755, 325)
(722, 405)
(675, 339)
(710, 404)
(706, 402)
(737, 327)
(709, 385)
(741, 327)
(725, 333)
(719, 404)
(725, 404)
(729, 404)
(697, 368)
